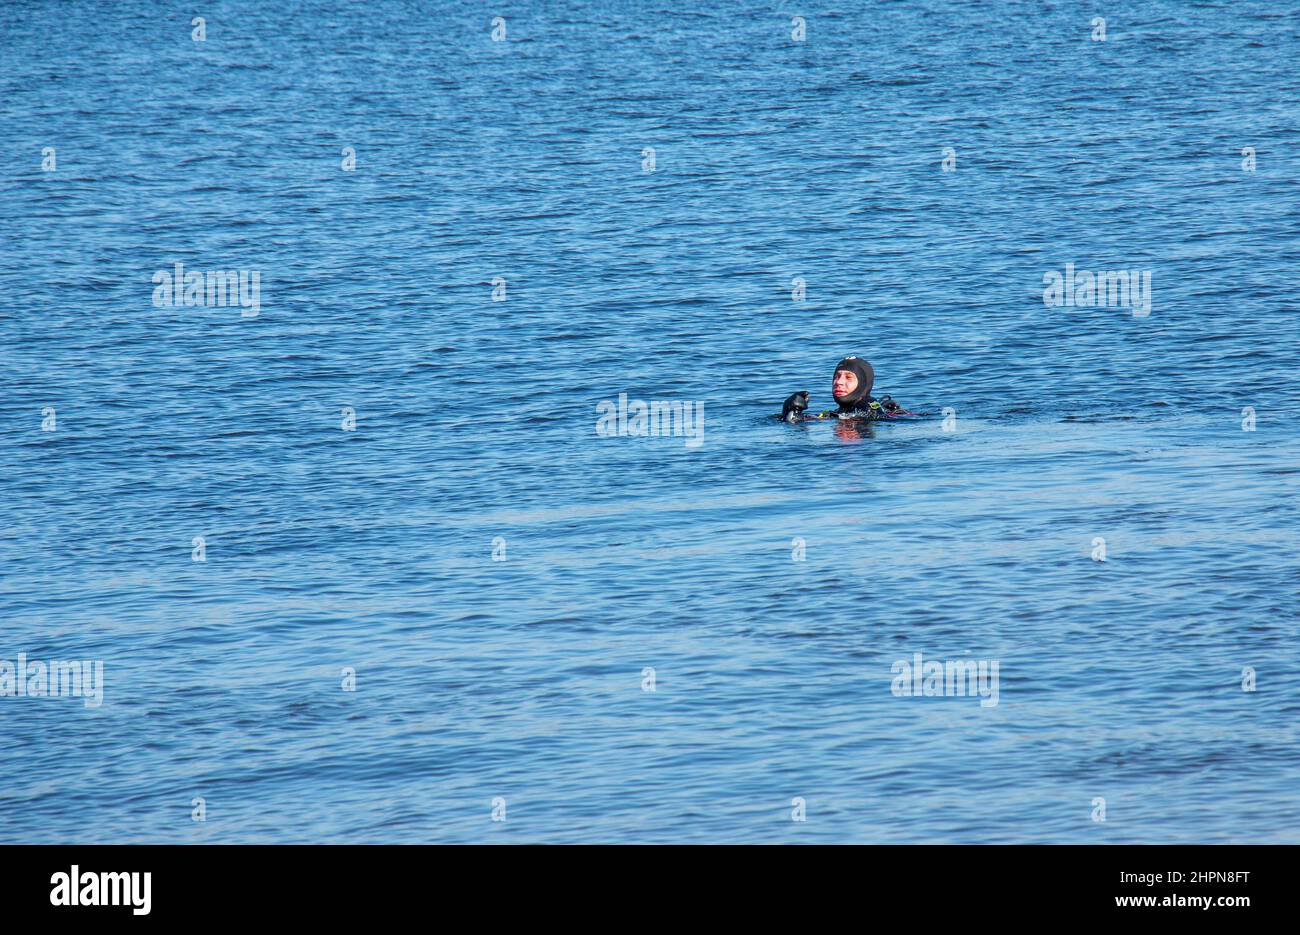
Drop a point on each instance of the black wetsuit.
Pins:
(863, 409)
(860, 403)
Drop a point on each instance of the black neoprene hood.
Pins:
(866, 376)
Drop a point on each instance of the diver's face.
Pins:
(845, 382)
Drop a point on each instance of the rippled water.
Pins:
(523, 680)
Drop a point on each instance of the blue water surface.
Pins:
(795, 208)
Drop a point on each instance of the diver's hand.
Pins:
(794, 406)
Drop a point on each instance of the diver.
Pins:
(851, 389)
